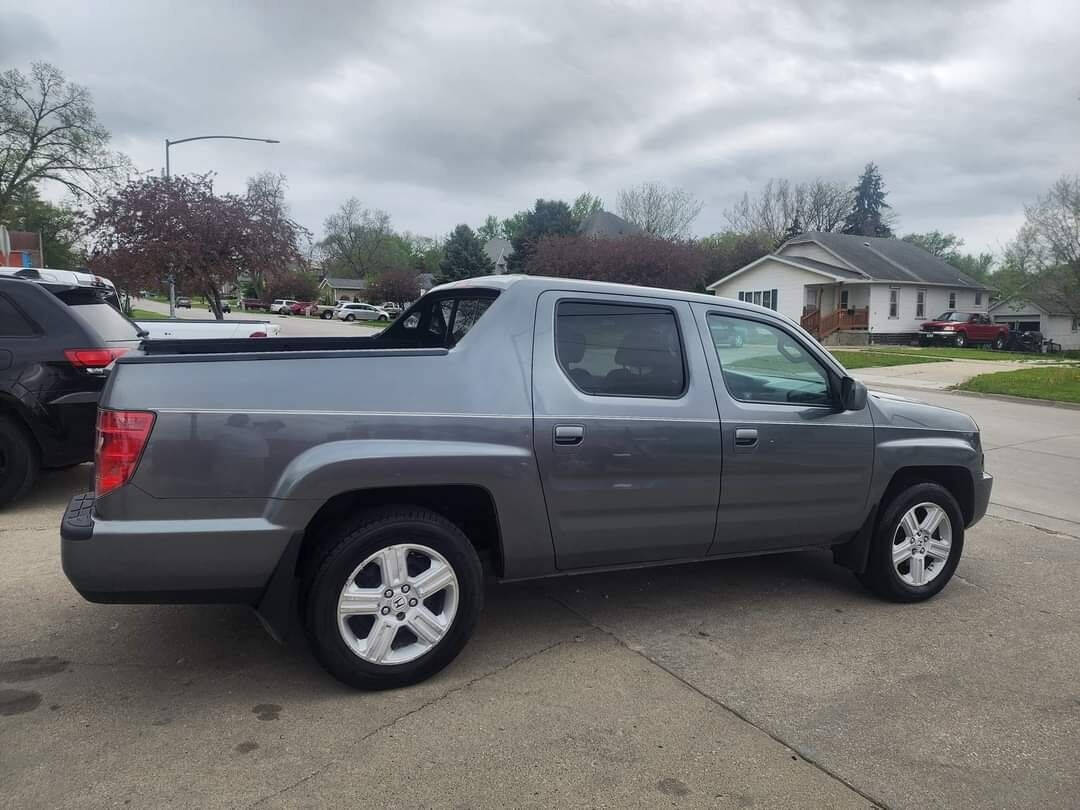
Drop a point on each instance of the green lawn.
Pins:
(1060, 383)
(953, 353)
(874, 359)
(147, 315)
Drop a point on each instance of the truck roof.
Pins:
(505, 282)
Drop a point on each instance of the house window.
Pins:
(1076, 325)
(843, 299)
(894, 302)
(920, 304)
(952, 300)
(978, 298)
(763, 298)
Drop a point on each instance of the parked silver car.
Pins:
(360, 312)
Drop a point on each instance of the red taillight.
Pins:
(92, 358)
(121, 437)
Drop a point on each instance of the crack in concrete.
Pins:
(391, 723)
(713, 699)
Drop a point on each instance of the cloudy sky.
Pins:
(443, 112)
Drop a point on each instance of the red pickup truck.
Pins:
(964, 329)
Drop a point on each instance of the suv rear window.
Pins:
(619, 349)
(103, 318)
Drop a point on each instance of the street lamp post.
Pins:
(168, 143)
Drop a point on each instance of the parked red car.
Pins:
(300, 308)
(964, 329)
(248, 304)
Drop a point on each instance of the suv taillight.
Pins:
(121, 437)
(92, 358)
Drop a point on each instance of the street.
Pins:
(774, 681)
(291, 325)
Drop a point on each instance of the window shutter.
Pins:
(775, 302)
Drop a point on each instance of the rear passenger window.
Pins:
(12, 322)
(468, 313)
(620, 350)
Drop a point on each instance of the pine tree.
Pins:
(465, 257)
(867, 217)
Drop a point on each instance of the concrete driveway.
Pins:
(772, 682)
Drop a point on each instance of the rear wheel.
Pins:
(327, 315)
(393, 599)
(999, 342)
(917, 545)
(350, 317)
(18, 461)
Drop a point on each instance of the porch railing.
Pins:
(821, 326)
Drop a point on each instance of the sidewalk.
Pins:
(934, 376)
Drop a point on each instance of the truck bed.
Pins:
(266, 348)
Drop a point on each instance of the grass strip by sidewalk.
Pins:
(1059, 383)
(953, 353)
(872, 359)
(147, 315)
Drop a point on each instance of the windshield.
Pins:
(951, 315)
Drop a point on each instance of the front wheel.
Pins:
(393, 599)
(383, 318)
(961, 340)
(917, 545)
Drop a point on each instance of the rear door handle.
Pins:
(745, 437)
(569, 434)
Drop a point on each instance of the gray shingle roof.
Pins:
(346, 283)
(814, 264)
(890, 259)
(605, 223)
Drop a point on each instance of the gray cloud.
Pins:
(442, 113)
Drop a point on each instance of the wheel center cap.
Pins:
(399, 602)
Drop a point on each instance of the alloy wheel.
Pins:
(398, 604)
(921, 544)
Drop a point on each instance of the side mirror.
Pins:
(852, 394)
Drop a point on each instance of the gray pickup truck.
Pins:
(528, 426)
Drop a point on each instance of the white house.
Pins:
(872, 289)
(1033, 311)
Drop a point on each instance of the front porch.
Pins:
(829, 308)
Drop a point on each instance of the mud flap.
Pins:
(854, 553)
(277, 606)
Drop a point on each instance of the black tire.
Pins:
(18, 461)
(327, 315)
(961, 340)
(346, 549)
(350, 317)
(881, 576)
(999, 342)
(383, 318)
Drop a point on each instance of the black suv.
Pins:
(57, 342)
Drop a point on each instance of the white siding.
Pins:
(936, 302)
(1058, 328)
(788, 281)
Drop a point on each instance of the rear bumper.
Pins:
(168, 561)
(982, 498)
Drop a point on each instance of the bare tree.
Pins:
(49, 131)
(360, 241)
(658, 210)
(783, 209)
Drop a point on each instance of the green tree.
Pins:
(49, 131)
(512, 226)
(870, 214)
(59, 226)
(944, 245)
(491, 229)
(465, 257)
(548, 218)
(585, 206)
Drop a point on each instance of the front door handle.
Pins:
(569, 434)
(745, 437)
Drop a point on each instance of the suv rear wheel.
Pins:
(18, 461)
(917, 546)
(393, 598)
